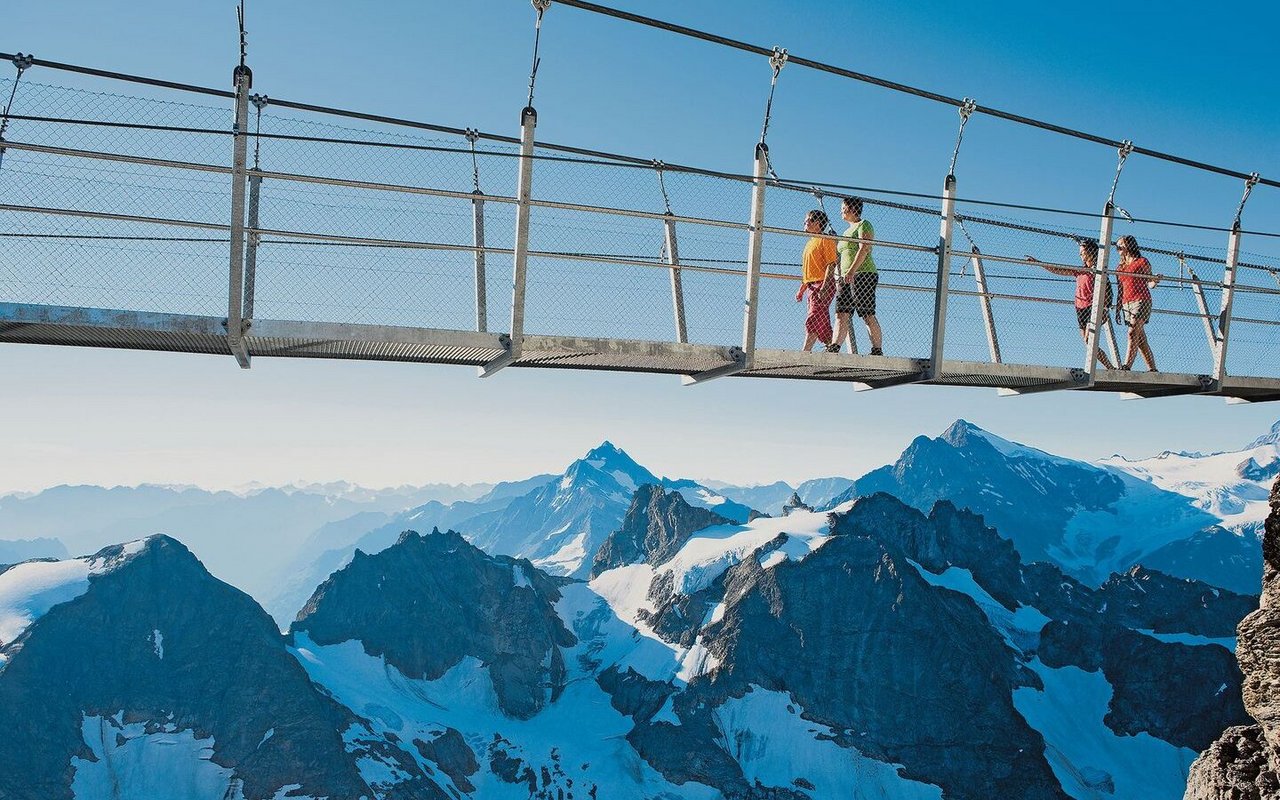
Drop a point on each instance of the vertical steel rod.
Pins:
(984, 297)
(477, 227)
(677, 286)
(235, 304)
(755, 246)
(1113, 346)
(1228, 296)
(944, 278)
(1100, 282)
(520, 252)
(251, 253)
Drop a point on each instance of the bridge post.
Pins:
(1101, 279)
(944, 278)
(1228, 295)
(755, 246)
(520, 257)
(239, 154)
(477, 229)
(988, 317)
(741, 358)
(677, 287)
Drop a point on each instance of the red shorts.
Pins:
(818, 322)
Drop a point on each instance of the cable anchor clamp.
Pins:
(23, 62)
(260, 101)
(1249, 183)
(778, 60)
(967, 108)
(471, 135)
(541, 6)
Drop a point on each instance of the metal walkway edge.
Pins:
(136, 330)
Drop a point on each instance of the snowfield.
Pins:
(28, 590)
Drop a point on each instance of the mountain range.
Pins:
(978, 619)
(873, 651)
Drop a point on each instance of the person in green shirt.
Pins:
(858, 279)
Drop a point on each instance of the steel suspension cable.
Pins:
(901, 87)
(472, 135)
(22, 62)
(966, 111)
(541, 7)
(777, 60)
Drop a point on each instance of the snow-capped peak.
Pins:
(962, 432)
(611, 461)
(28, 590)
(1272, 437)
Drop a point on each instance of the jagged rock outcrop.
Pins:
(156, 645)
(655, 527)
(1146, 599)
(794, 504)
(843, 631)
(428, 602)
(1244, 764)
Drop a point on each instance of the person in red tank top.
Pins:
(1136, 282)
(1084, 289)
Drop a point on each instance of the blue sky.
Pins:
(1187, 79)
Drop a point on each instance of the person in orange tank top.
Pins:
(1136, 282)
(816, 278)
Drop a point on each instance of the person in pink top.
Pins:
(1084, 289)
(1136, 282)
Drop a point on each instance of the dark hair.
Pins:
(854, 204)
(1130, 244)
(819, 216)
(1090, 247)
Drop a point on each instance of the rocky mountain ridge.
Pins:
(1244, 763)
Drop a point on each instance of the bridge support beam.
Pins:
(1202, 303)
(984, 297)
(1228, 296)
(677, 286)
(520, 256)
(239, 155)
(477, 231)
(755, 245)
(1101, 279)
(943, 284)
(251, 251)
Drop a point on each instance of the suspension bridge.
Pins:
(358, 236)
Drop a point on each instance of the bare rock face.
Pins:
(656, 526)
(430, 601)
(1244, 763)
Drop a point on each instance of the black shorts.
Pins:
(1084, 316)
(860, 298)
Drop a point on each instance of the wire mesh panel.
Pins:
(191, 129)
(1255, 318)
(65, 261)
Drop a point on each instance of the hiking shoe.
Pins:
(876, 351)
(834, 347)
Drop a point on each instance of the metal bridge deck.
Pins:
(134, 330)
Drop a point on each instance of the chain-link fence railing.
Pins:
(113, 201)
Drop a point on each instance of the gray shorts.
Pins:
(1136, 312)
